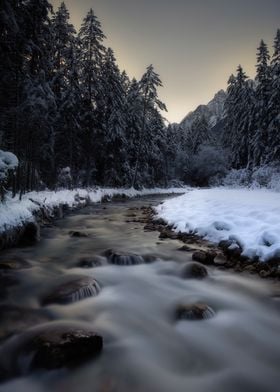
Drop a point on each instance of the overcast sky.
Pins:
(194, 44)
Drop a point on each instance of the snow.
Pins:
(8, 161)
(266, 176)
(251, 218)
(15, 212)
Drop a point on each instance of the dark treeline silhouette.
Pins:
(252, 130)
(67, 112)
(72, 118)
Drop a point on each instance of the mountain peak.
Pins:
(213, 111)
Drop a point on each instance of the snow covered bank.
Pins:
(249, 217)
(15, 212)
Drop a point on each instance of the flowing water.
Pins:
(235, 347)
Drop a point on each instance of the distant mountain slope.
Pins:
(213, 112)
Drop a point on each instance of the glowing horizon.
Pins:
(193, 44)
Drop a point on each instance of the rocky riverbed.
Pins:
(112, 300)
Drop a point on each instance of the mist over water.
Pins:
(145, 347)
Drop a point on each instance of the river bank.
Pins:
(21, 219)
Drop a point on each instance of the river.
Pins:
(146, 346)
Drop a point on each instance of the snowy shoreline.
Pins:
(248, 218)
(15, 214)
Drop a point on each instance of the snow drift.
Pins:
(251, 218)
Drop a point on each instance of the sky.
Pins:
(193, 44)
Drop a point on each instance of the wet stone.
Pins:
(194, 270)
(166, 233)
(68, 348)
(189, 238)
(91, 262)
(123, 259)
(251, 268)
(204, 257)
(49, 346)
(230, 248)
(150, 227)
(78, 234)
(264, 274)
(274, 262)
(159, 222)
(199, 311)
(72, 291)
(13, 263)
(220, 259)
(186, 248)
(225, 244)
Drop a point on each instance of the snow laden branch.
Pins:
(8, 164)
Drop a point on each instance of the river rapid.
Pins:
(146, 346)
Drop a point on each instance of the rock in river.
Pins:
(49, 346)
(13, 263)
(126, 259)
(199, 311)
(78, 234)
(204, 257)
(91, 262)
(66, 348)
(194, 270)
(74, 290)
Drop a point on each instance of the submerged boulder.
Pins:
(204, 257)
(67, 348)
(91, 262)
(168, 233)
(194, 270)
(78, 234)
(198, 311)
(49, 346)
(13, 263)
(123, 259)
(186, 248)
(74, 290)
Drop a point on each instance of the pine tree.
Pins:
(239, 111)
(133, 125)
(228, 133)
(156, 152)
(13, 46)
(26, 40)
(150, 104)
(65, 84)
(125, 81)
(38, 105)
(171, 153)
(199, 133)
(91, 54)
(261, 110)
(114, 99)
(63, 37)
(274, 105)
